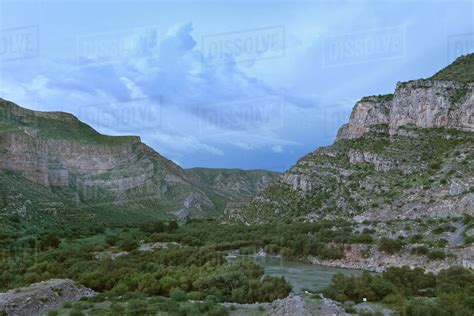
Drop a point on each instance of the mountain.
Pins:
(54, 166)
(231, 185)
(405, 155)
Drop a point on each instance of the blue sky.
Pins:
(236, 84)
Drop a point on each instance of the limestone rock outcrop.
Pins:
(82, 168)
(406, 155)
(421, 103)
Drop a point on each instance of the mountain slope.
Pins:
(231, 185)
(405, 155)
(55, 158)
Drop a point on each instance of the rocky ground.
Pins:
(157, 245)
(364, 257)
(41, 296)
(293, 305)
(114, 253)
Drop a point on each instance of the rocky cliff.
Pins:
(405, 155)
(68, 165)
(420, 103)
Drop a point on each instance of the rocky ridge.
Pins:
(76, 167)
(405, 155)
(420, 103)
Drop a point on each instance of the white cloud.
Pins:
(165, 92)
(277, 149)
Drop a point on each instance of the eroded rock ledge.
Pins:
(422, 103)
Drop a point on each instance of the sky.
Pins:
(227, 84)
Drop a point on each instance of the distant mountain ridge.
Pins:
(55, 158)
(404, 155)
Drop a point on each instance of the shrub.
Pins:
(419, 307)
(421, 250)
(137, 307)
(178, 295)
(117, 308)
(436, 255)
(195, 295)
(390, 246)
(111, 240)
(330, 252)
(76, 312)
(248, 250)
(129, 244)
(51, 241)
(218, 311)
(415, 238)
(172, 226)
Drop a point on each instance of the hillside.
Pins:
(406, 155)
(461, 70)
(230, 185)
(54, 167)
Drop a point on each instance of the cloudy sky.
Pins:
(236, 84)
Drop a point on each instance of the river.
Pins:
(308, 276)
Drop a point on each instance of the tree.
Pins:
(173, 226)
(51, 241)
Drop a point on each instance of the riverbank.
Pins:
(301, 275)
(363, 257)
(369, 258)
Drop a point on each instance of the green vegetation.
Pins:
(421, 250)
(469, 222)
(444, 228)
(325, 239)
(219, 184)
(55, 125)
(195, 270)
(166, 280)
(390, 246)
(410, 291)
(459, 94)
(88, 195)
(461, 70)
(139, 304)
(394, 165)
(380, 97)
(436, 255)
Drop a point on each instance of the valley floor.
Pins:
(172, 268)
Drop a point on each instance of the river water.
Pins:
(308, 276)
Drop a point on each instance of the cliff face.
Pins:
(87, 170)
(421, 103)
(405, 155)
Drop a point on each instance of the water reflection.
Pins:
(301, 275)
